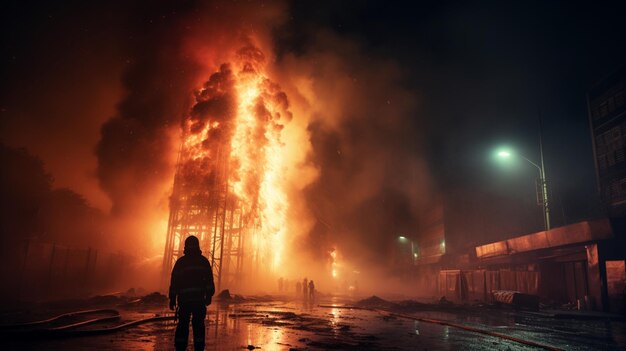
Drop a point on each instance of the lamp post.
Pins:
(404, 239)
(543, 184)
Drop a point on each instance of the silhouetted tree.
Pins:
(23, 184)
(31, 208)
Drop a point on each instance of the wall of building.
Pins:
(607, 118)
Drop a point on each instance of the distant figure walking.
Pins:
(298, 288)
(304, 288)
(311, 290)
(280, 284)
(191, 289)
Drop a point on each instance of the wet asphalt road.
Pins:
(296, 325)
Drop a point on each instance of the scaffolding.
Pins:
(206, 207)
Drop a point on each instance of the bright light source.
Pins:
(334, 273)
(415, 255)
(504, 154)
(401, 238)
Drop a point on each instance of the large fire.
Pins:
(232, 152)
(256, 153)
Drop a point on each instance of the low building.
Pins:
(573, 264)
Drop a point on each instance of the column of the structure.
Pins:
(227, 274)
(223, 237)
(173, 223)
(240, 248)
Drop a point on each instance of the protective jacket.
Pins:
(192, 280)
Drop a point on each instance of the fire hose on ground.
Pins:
(450, 324)
(25, 330)
(17, 331)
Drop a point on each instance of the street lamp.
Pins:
(543, 184)
(403, 240)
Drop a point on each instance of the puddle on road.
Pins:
(298, 326)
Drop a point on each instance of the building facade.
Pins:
(607, 118)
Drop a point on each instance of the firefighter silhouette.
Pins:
(311, 290)
(191, 289)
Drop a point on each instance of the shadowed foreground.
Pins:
(287, 324)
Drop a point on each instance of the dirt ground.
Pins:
(284, 323)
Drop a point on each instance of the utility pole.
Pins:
(542, 179)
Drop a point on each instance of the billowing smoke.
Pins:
(136, 148)
(366, 136)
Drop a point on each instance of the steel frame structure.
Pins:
(210, 211)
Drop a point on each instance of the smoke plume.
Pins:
(365, 131)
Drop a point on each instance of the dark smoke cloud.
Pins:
(214, 104)
(367, 137)
(134, 146)
(215, 100)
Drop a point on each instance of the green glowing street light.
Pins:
(404, 239)
(543, 184)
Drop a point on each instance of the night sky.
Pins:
(481, 74)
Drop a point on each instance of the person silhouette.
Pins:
(311, 290)
(191, 289)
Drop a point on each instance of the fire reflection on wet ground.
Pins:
(295, 325)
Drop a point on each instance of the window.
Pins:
(595, 113)
(616, 191)
(611, 104)
(603, 109)
(602, 162)
(610, 148)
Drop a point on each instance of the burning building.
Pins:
(228, 188)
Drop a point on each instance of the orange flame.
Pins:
(256, 154)
(265, 164)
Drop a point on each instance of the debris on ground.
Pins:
(224, 295)
(154, 298)
(516, 299)
(374, 302)
(445, 302)
(292, 325)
